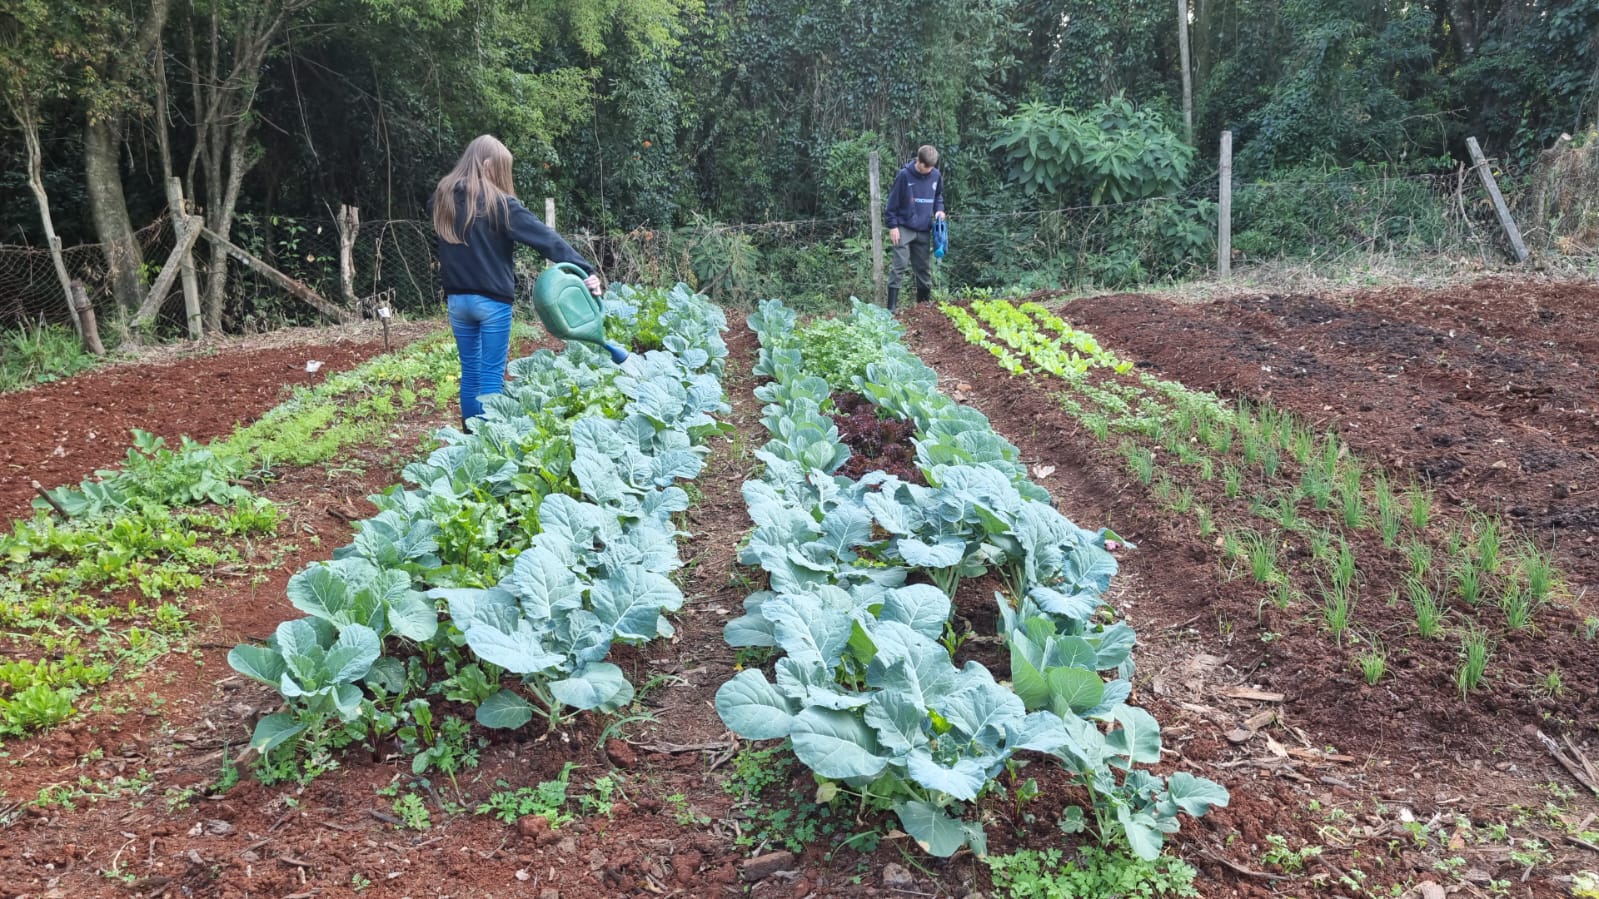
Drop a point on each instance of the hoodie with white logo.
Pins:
(914, 198)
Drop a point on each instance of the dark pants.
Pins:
(915, 250)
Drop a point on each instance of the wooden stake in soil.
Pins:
(188, 233)
(1224, 210)
(384, 313)
(1505, 221)
(39, 489)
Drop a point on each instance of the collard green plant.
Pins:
(355, 591)
(546, 536)
(863, 691)
(317, 666)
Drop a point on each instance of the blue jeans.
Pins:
(483, 337)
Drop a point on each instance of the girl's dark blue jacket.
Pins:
(482, 265)
(914, 198)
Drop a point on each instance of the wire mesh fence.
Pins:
(1331, 219)
(30, 290)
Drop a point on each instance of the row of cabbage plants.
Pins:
(515, 555)
(865, 687)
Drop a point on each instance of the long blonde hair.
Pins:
(485, 170)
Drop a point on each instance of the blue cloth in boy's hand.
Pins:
(940, 237)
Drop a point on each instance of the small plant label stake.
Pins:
(382, 305)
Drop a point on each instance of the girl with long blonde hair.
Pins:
(479, 221)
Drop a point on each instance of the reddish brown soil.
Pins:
(1413, 750)
(61, 433)
(1411, 741)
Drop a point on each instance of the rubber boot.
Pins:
(923, 293)
(465, 429)
(893, 298)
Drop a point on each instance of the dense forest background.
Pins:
(642, 115)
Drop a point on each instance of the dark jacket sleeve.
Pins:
(527, 229)
(896, 201)
(938, 194)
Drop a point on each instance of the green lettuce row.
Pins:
(567, 486)
(864, 691)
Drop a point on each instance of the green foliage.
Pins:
(1473, 665)
(547, 800)
(348, 408)
(135, 528)
(154, 476)
(1089, 873)
(548, 533)
(1346, 87)
(760, 784)
(1112, 153)
(866, 695)
(841, 190)
(1281, 857)
(1310, 211)
(838, 350)
(1530, 77)
(1373, 663)
(34, 707)
(413, 812)
(39, 354)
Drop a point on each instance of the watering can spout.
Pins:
(569, 311)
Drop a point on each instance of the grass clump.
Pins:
(40, 354)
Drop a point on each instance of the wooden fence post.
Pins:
(191, 285)
(349, 223)
(1480, 163)
(875, 210)
(1224, 210)
(188, 232)
(85, 317)
(1188, 81)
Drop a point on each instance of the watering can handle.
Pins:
(573, 268)
(618, 354)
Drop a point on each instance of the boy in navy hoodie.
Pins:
(915, 200)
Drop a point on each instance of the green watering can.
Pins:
(569, 311)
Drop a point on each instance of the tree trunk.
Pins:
(219, 218)
(225, 90)
(102, 141)
(1188, 80)
(102, 146)
(24, 114)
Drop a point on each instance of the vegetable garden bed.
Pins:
(1337, 786)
